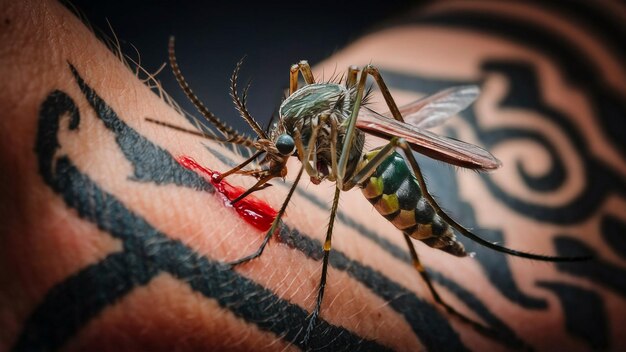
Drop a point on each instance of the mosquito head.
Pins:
(285, 144)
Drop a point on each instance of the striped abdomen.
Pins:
(396, 195)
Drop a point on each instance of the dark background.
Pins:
(212, 38)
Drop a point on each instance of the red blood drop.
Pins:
(253, 210)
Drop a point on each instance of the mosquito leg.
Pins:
(486, 331)
(302, 153)
(464, 231)
(333, 149)
(393, 108)
(320, 291)
(369, 168)
(310, 153)
(424, 274)
(363, 173)
(311, 147)
(350, 131)
(353, 71)
(307, 74)
(274, 226)
(391, 103)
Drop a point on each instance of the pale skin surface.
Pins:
(44, 241)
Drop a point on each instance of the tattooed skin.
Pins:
(80, 193)
(586, 315)
(548, 106)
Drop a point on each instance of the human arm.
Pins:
(160, 275)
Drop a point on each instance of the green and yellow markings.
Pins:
(387, 204)
(374, 188)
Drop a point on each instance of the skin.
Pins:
(50, 239)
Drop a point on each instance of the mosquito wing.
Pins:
(435, 109)
(449, 150)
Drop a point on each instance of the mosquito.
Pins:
(324, 126)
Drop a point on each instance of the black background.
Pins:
(212, 38)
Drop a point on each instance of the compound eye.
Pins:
(285, 144)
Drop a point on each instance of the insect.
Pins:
(324, 126)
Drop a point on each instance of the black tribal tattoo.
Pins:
(80, 298)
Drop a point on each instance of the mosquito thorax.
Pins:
(320, 104)
(315, 99)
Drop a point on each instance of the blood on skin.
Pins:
(253, 210)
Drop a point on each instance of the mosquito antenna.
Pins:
(234, 139)
(222, 127)
(241, 107)
(244, 95)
